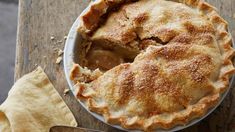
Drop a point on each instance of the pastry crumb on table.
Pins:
(65, 37)
(58, 60)
(52, 38)
(60, 52)
(66, 91)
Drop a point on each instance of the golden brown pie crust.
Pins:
(166, 85)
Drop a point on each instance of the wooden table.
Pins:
(41, 20)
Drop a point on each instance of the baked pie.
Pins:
(149, 64)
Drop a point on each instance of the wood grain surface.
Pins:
(42, 25)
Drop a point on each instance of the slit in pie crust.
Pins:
(152, 64)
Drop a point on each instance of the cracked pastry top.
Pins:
(152, 64)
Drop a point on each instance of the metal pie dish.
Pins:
(69, 58)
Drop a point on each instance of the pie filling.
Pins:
(103, 58)
(105, 55)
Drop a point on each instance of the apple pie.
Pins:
(150, 64)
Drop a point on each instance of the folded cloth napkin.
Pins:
(33, 105)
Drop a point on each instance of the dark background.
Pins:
(8, 29)
(10, 1)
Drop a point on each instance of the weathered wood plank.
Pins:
(41, 19)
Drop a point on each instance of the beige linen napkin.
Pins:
(33, 105)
